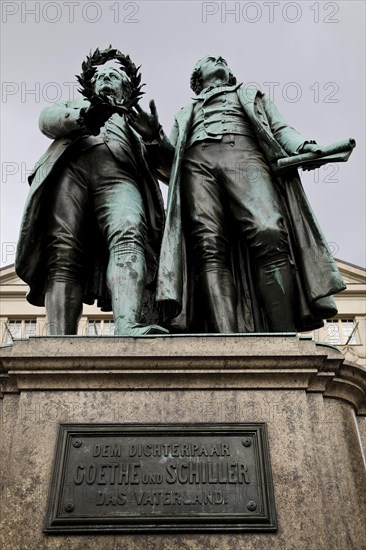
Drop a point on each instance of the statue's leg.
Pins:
(255, 204)
(220, 299)
(64, 306)
(65, 237)
(121, 216)
(208, 242)
(276, 288)
(126, 280)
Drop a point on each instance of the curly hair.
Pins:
(196, 77)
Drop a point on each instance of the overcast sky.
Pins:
(309, 56)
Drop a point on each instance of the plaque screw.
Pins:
(69, 507)
(77, 443)
(247, 442)
(251, 505)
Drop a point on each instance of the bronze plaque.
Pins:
(161, 478)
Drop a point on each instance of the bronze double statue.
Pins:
(240, 249)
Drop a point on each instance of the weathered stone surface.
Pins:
(296, 387)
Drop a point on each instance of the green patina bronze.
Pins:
(94, 217)
(242, 250)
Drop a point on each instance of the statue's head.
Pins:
(111, 73)
(208, 67)
(111, 81)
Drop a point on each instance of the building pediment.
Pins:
(352, 274)
(9, 277)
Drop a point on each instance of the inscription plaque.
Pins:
(161, 478)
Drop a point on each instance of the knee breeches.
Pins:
(227, 190)
(93, 185)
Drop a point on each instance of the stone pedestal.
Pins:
(313, 402)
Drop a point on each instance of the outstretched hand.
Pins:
(146, 124)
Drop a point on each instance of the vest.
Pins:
(218, 112)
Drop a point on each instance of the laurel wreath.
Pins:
(100, 57)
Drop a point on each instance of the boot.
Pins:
(221, 301)
(126, 279)
(64, 305)
(276, 290)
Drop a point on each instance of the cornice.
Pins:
(216, 362)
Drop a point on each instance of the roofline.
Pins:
(351, 265)
(6, 266)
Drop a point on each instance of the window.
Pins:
(18, 328)
(100, 327)
(341, 332)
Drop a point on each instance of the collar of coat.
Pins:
(213, 90)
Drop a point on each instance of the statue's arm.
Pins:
(160, 155)
(173, 138)
(166, 152)
(161, 152)
(61, 119)
(289, 138)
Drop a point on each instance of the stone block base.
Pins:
(312, 401)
